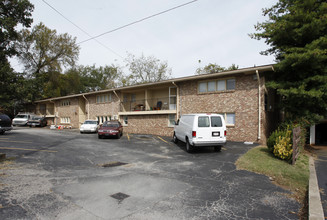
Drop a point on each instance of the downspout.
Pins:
(177, 101)
(259, 105)
(88, 107)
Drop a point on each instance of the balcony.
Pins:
(48, 112)
(164, 105)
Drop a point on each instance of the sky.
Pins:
(212, 31)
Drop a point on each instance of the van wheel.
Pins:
(218, 148)
(189, 147)
(175, 139)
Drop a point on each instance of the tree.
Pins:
(12, 13)
(95, 79)
(146, 69)
(297, 35)
(214, 68)
(43, 53)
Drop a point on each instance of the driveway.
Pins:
(67, 175)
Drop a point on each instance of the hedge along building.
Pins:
(240, 95)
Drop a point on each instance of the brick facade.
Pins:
(241, 102)
(149, 124)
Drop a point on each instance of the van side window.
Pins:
(203, 121)
(216, 122)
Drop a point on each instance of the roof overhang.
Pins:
(245, 71)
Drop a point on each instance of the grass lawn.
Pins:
(292, 177)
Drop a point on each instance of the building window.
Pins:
(104, 98)
(133, 98)
(221, 85)
(171, 120)
(230, 118)
(65, 103)
(125, 120)
(101, 119)
(230, 83)
(216, 85)
(65, 120)
(211, 86)
(203, 87)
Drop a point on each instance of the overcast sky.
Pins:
(213, 31)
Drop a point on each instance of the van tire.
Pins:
(175, 139)
(189, 147)
(218, 148)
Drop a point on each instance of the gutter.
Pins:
(259, 105)
(88, 107)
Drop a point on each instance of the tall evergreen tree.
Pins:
(297, 35)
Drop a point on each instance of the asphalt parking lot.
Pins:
(67, 175)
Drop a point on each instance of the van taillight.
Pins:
(193, 133)
(225, 133)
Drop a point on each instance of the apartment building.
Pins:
(239, 95)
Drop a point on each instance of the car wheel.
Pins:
(81, 132)
(2, 132)
(118, 135)
(175, 139)
(218, 148)
(99, 136)
(189, 147)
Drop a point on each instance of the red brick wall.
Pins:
(149, 124)
(243, 101)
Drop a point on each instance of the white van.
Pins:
(198, 130)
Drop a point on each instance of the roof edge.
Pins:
(247, 70)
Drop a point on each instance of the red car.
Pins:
(110, 128)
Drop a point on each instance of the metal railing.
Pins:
(154, 104)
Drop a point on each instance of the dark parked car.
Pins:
(37, 121)
(110, 128)
(5, 123)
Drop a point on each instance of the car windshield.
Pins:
(21, 116)
(90, 122)
(111, 125)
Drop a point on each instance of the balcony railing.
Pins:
(155, 104)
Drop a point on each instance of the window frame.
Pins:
(203, 86)
(225, 118)
(171, 118)
(103, 98)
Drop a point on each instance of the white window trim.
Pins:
(65, 120)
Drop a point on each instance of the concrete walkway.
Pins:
(318, 185)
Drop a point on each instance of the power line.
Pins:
(138, 21)
(85, 32)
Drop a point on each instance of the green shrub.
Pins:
(271, 141)
(283, 147)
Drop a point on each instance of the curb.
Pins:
(315, 207)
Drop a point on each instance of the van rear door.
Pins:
(210, 128)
